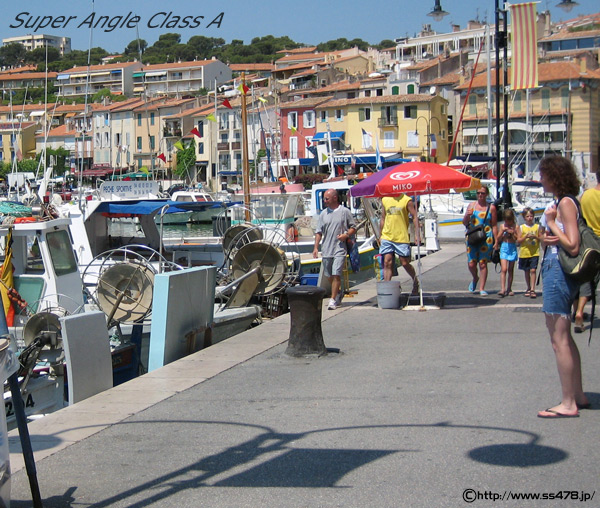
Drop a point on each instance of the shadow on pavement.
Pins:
(287, 464)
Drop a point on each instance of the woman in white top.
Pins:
(560, 221)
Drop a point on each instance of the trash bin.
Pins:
(306, 336)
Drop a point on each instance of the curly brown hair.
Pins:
(561, 174)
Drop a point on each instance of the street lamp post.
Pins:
(428, 123)
(417, 131)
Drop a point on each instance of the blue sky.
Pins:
(306, 21)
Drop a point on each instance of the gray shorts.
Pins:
(333, 266)
(400, 249)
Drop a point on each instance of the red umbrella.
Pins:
(413, 178)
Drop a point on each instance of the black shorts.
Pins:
(529, 263)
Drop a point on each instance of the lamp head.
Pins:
(567, 5)
(437, 13)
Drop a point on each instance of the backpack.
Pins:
(585, 265)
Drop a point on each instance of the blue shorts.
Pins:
(400, 249)
(558, 289)
(508, 251)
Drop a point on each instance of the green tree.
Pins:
(12, 54)
(38, 55)
(186, 159)
(135, 47)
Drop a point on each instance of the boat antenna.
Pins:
(85, 105)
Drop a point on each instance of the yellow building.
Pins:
(400, 126)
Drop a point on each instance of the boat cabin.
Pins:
(45, 266)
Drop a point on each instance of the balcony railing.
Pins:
(236, 145)
(223, 146)
(388, 122)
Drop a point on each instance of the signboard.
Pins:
(129, 189)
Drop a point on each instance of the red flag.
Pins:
(524, 68)
(162, 157)
(307, 143)
(227, 104)
(243, 88)
(195, 132)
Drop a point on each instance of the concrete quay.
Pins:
(418, 409)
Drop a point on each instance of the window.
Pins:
(410, 111)
(472, 105)
(201, 147)
(139, 143)
(412, 139)
(379, 92)
(61, 252)
(388, 139)
(152, 143)
(395, 90)
(545, 98)
(139, 119)
(151, 118)
(339, 115)
(117, 139)
(410, 89)
(223, 121)
(293, 147)
(308, 119)
(106, 119)
(292, 120)
(323, 116)
(364, 114)
(564, 97)
(201, 128)
(367, 93)
(105, 140)
(517, 101)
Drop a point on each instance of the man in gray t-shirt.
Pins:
(335, 226)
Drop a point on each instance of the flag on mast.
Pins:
(162, 157)
(195, 132)
(432, 145)
(227, 104)
(523, 31)
(378, 158)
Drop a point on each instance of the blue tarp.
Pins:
(145, 207)
(334, 135)
(149, 207)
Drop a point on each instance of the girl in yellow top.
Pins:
(528, 238)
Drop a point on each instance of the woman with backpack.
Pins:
(558, 176)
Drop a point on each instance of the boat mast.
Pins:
(245, 162)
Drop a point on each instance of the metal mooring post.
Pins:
(306, 337)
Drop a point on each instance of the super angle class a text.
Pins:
(110, 23)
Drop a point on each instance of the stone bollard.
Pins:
(306, 304)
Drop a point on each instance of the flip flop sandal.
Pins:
(533, 295)
(528, 293)
(511, 293)
(551, 413)
(501, 294)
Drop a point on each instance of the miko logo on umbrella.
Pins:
(405, 175)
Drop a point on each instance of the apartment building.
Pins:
(117, 77)
(34, 41)
(180, 78)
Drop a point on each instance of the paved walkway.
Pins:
(416, 408)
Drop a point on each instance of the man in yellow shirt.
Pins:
(590, 207)
(395, 238)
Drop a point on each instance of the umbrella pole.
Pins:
(419, 256)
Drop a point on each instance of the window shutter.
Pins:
(361, 114)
